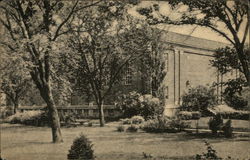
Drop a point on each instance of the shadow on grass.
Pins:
(219, 137)
(140, 156)
(41, 143)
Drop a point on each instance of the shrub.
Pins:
(135, 104)
(211, 154)
(215, 123)
(5, 112)
(129, 104)
(198, 99)
(90, 124)
(35, 118)
(126, 121)
(150, 106)
(137, 119)
(227, 129)
(120, 128)
(81, 149)
(132, 128)
(163, 124)
(185, 115)
(133, 120)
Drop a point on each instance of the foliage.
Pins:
(126, 121)
(5, 111)
(163, 124)
(111, 40)
(34, 31)
(81, 149)
(227, 129)
(129, 104)
(215, 123)
(233, 93)
(132, 128)
(137, 120)
(210, 155)
(14, 83)
(151, 106)
(134, 104)
(35, 118)
(133, 120)
(185, 115)
(198, 99)
(120, 128)
(227, 60)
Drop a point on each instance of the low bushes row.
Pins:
(34, 118)
(240, 115)
(133, 120)
(185, 115)
(155, 125)
(164, 124)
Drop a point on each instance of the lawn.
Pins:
(20, 142)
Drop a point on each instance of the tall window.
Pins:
(166, 57)
(166, 92)
(128, 75)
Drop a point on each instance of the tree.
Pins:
(226, 61)
(104, 45)
(233, 15)
(14, 83)
(33, 31)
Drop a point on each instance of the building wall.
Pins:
(189, 67)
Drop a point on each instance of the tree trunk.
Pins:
(16, 105)
(53, 116)
(244, 63)
(55, 123)
(101, 114)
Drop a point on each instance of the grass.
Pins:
(34, 143)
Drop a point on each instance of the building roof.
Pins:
(193, 42)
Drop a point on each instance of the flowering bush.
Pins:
(129, 104)
(36, 118)
(133, 120)
(134, 104)
(126, 121)
(137, 120)
(150, 106)
(185, 115)
(163, 124)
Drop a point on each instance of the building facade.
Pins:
(188, 65)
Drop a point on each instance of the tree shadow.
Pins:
(216, 138)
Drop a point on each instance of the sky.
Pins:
(192, 30)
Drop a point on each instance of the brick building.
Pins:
(188, 65)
